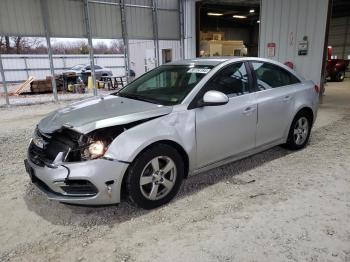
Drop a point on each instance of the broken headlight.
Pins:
(95, 144)
(94, 149)
(97, 149)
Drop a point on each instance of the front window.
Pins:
(232, 80)
(165, 85)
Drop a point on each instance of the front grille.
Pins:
(63, 140)
(37, 155)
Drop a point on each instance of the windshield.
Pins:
(165, 85)
(77, 67)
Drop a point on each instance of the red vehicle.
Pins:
(336, 68)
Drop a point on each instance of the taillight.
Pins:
(317, 89)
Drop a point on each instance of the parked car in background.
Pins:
(178, 119)
(336, 69)
(85, 70)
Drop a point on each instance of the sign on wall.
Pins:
(271, 48)
(303, 46)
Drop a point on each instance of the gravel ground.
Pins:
(275, 206)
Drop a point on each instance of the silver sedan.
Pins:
(179, 119)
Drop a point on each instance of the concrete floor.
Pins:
(335, 102)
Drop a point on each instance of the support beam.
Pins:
(155, 31)
(182, 29)
(125, 40)
(44, 12)
(4, 84)
(91, 49)
(325, 51)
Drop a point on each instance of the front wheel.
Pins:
(299, 132)
(339, 77)
(155, 177)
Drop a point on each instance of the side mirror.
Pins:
(213, 98)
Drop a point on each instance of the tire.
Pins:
(299, 132)
(159, 186)
(339, 77)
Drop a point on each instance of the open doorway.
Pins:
(338, 51)
(167, 55)
(227, 28)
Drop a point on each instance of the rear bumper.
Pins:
(104, 178)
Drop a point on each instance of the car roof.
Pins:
(200, 61)
(214, 61)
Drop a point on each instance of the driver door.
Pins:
(226, 130)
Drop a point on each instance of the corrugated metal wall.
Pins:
(285, 23)
(171, 19)
(19, 67)
(139, 23)
(66, 18)
(339, 37)
(105, 21)
(22, 17)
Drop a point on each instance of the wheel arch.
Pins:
(183, 154)
(303, 108)
(308, 110)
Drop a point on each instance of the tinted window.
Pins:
(271, 76)
(97, 67)
(232, 80)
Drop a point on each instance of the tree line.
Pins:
(35, 45)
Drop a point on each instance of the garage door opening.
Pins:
(338, 51)
(227, 28)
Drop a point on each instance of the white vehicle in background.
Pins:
(181, 118)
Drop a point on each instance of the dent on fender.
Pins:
(178, 127)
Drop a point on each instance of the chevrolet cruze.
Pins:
(179, 119)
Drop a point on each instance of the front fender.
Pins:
(178, 127)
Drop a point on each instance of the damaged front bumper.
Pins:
(94, 182)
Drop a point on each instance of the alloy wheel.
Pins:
(301, 130)
(158, 178)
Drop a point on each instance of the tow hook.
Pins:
(109, 187)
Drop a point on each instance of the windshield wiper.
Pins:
(137, 97)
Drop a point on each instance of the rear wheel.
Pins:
(155, 177)
(299, 132)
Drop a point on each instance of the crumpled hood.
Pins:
(99, 112)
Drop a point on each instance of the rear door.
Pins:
(226, 130)
(275, 97)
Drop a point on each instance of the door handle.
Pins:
(248, 110)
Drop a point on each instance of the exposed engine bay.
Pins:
(74, 146)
